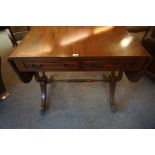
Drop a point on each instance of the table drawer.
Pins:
(80, 65)
(107, 65)
(52, 65)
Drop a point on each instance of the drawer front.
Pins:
(80, 65)
(52, 65)
(111, 65)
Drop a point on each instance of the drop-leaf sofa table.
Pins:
(79, 48)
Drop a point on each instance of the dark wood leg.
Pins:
(112, 85)
(43, 86)
(43, 80)
(112, 79)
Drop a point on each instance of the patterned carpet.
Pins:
(75, 105)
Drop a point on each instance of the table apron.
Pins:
(69, 65)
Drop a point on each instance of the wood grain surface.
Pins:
(79, 41)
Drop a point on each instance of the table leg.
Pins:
(43, 80)
(112, 85)
(112, 79)
(43, 86)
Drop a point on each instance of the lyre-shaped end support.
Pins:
(43, 80)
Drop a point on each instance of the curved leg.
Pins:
(112, 95)
(112, 79)
(43, 96)
(43, 80)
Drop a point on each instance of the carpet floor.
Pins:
(75, 105)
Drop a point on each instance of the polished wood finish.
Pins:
(62, 41)
(79, 48)
(43, 80)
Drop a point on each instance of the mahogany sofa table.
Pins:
(79, 48)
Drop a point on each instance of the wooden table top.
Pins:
(79, 41)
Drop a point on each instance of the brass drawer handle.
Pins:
(68, 65)
(95, 65)
(36, 66)
(129, 65)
